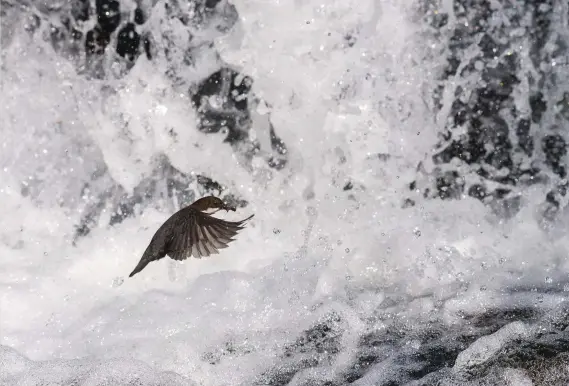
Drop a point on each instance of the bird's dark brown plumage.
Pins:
(191, 232)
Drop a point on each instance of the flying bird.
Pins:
(192, 232)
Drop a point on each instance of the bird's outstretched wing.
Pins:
(201, 235)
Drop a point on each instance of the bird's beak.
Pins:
(228, 208)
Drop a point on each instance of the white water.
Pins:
(297, 260)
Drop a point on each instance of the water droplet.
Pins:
(276, 231)
(388, 249)
(502, 260)
(117, 282)
(548, 280)
(566, 287)
(417, 232)
(45, 253)
(311, 211)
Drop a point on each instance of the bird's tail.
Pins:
(148, 256)
(141, 264)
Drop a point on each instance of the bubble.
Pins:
(45, 253)
(347, 250)
(483, 288)
(417, 232)
(311, 211)
(276, 231)
(117, 282)
(548, 280)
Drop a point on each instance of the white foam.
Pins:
(486, 347)
(65, 302)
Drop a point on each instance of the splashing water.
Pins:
(331, 265)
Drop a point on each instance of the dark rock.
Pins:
(450, 185)
(147, 49)
(477, 191)
(96, 41)
(222, 103)
(317, 346)
(538, 106)
(497, 139)
(128, 41)
(81, 10)
(139, 16)
(108, 15)
(525, 140)
(211, 3)
(554, 147)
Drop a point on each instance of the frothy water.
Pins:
(321, 267)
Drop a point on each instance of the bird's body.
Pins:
(191, 232)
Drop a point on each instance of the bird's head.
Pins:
(211, 202)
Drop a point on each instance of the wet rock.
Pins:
(223, 103)
(116, 28)
(430, 352)
(317, 346)
(494, 121)
(166, 188)
(139, 16)
(108, 15)
(555, 149)
(128, 42)
(96, 41)
(81, 10)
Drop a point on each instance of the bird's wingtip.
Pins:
(138, 268)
